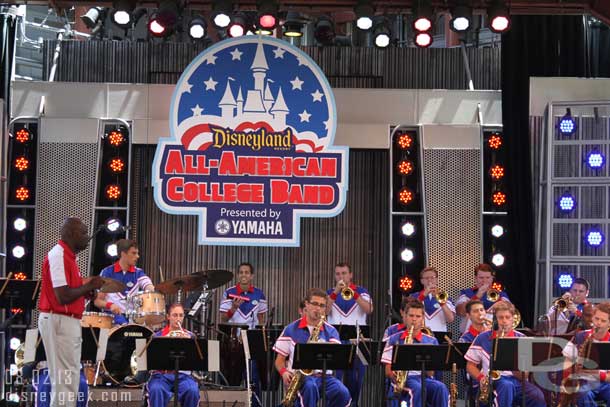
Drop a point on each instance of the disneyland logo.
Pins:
(255, 140)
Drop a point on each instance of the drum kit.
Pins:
(146, 313)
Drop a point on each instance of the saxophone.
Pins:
(485, 386)
(401, 375)
(299, 375)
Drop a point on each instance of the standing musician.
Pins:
(598, 388)
(566, 312)
(300, 331)
(349, 304)
(160, 387)
(125, 271)
(507, 388)
(484, 278)
(437, 313)
(437, 395)
(61, 305)
(478, 321)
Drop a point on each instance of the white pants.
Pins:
(62, 339)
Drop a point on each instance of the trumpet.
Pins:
(561, 304)
(441, 296)
(347, 293)
(493, 295)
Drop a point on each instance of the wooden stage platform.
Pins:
(121, 397)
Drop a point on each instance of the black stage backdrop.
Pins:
(537, 46)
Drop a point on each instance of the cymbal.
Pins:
(112, 286)
(215, 278)
(186, 283)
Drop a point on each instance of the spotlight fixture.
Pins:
(499, 17)
(23, 135)
(461, 18)
(405, 283)
(382, 35)
(364, 14)
(113, 192)
(497, 231)
(407, 255)
(595, 237)
(494, 141)
(405, 167)
(565, 280)
(121, 13)
(266, 19)
(116, 137)
(567, 124)
(92, 17)
(237, 27)
(423, 15)
(22, 163)
(566, 202)
(221, 13)
(404, 141)
(20, 224)
(198, 28)
(293, 26)
(324, 31)
(113, 225)
(497, 259)
(116, 165)
(111, 250)
(423, 39)
(496, 172)
(14, 343)
(22, 193)
(18, 251)
(595, 159)
(498, 198)
(405, 196)
(407, 229)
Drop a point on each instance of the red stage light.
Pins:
(496, 172)
(405, 167)
(20, 276)
(498, 198)
(116, 165)
(404, 141)
(267, 21)
(494, 142)
(405, 196)
(22, 163)
(405, 284)
(113, 191)
(22, 193)
(497, 286)
(116, 138)
(16, 310)
(23, 135)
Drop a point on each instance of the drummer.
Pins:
(125, 271)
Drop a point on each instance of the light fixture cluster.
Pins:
(423, 15)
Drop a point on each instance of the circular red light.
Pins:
(20, 276)
(113, 191)
(497, 286)
(405, 284)
(494, 142)
(423, 40)
(405, 196)
(236, 30)
(22, 163)
(422, 24)
(267, 21)
(404, 141)
(116, 138)
(500, 23)
(116, 165)
(156, 27)
(496, 172)
(22, 193)
(23, 135)
(405, 167)
(498, 198)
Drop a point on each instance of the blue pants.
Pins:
(160, 388)
(404, 399)
(507, 390)
(353, 379)
(437, 394)
(337, 394)
(587, 399)
(42, 384)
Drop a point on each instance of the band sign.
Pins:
(253, 123)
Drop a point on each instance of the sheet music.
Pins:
(102, 343)
(140, 345)
(31, 337)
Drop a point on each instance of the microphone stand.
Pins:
(268, 354)
(388, 322)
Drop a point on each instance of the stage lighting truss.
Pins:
(198, 28)
(461, 18)
(499, 17)
(293, 26)
(567, 124)
(364, 11)
(222, 11)
(565, 280)
(267, 16)
(405, 284)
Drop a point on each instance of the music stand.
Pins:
(18, 293)
(164, 353)
(323, 355)
(440, 336)
(261, 347)
(347, 332)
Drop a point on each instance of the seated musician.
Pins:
(507, 389)
(598, 387)
(563, 320)
(478, 321)
(484, 279)
(125, 271)
(399, 326)
(160, 386)
(437, 395)
(300, 331)
(437, 314)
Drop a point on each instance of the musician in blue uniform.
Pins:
(576, 299)
(437, 314)
(160, 387)
(478, 322)
(484, 278)
(437, 394)
(351, 311)
(300, 331)
(507, 389)
(597, 389)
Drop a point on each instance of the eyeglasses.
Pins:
(317, 304)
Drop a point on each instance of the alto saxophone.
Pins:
(485, 386)
(299, 375)
(401, 375)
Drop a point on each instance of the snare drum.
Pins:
(96, 320)
(150, 308)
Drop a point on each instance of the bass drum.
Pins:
(120, 351)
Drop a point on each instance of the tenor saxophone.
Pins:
(485, 386)
(299, 375)
(401, 375)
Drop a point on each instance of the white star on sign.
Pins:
(186, 87)
(210, 84)
(197, 110)
(279, 53)
(327, 124)
(304, 116)
(211, 60)
(236, 54)
(317, 96)
(296, 83)
(302, 60)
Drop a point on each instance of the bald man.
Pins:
(61, 306)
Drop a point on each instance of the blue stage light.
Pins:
(565, 280)
(595, 237)
(567, 124)
(566, 202)
(596, 160)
